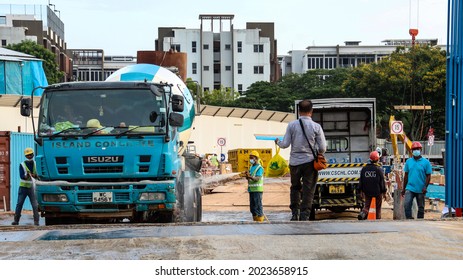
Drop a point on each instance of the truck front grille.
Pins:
(102, 169)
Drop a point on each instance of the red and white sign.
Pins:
(397, 127)
(221, 141)
(431, 140)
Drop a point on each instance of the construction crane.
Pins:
(413, 28)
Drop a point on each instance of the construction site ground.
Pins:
(230, 195)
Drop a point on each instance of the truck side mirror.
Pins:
(176, 119)
(153, 116)
(26, 106)
(177, 103)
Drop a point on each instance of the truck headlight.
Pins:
(55, 198)
(152, 196)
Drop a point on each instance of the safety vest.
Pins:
(256, 186)
(27, 183)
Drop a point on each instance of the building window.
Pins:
(4, 43)
(240, 88)
(259, 48)
(3, 20)
(240, 68)
(206, 67)
(206, 89)
(240, 46)
(258, 69)
(228, 68)
(206, 46)
(193, 46)
(314, 62)
(227, 47)
(194, 67)
(175, 47)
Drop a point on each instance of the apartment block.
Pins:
(218, 55)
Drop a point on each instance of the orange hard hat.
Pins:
(416, 145)
(374, 156)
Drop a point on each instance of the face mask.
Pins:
(416, 153)
(252, 161)
(30, 159)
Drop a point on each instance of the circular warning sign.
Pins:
(221, 141)
(397, 127)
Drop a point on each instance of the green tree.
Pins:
(219, 97)
(52, 72)
(281, 96)
(408, 77)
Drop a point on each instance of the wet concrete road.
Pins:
(239, 239)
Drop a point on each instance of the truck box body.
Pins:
(349, 127)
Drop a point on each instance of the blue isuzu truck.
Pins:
(116, 150)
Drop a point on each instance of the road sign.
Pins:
(221, 141)
(222, 157)
(397, 127)
(431, 140)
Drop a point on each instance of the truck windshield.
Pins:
(92, 112)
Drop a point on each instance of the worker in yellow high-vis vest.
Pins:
(255, 177)
(27, 171)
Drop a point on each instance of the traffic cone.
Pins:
(372, 210)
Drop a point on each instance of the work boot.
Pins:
(362, 216)
(254, 218)
(260, 219)
(295, 217)
(36, 223)
(304, 216)
(14, 223)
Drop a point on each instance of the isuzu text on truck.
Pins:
(349, 127)
(114, 150)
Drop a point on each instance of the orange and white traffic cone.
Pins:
(372, 210)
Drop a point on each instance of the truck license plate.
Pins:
(102, 197)
(336, 189)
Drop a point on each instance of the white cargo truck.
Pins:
(349, 125)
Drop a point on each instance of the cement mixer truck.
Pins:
(115, 151)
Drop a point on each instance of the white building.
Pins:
(38, 23)
(228, 57)
(352, 54)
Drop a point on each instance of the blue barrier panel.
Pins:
(454, 106)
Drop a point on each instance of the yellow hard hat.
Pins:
(94, 123)
(254, 153)
(28, 151)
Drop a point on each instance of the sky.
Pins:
(121, 27)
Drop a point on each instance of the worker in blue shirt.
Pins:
(416, 180)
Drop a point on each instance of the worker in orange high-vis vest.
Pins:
(27, 171)
(255, 177)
